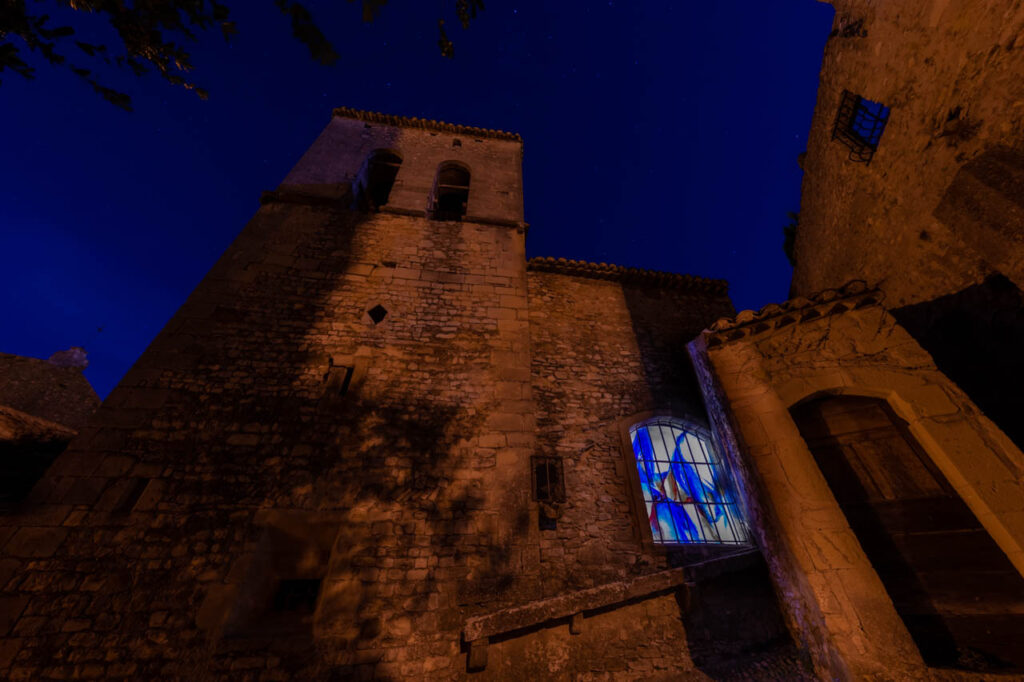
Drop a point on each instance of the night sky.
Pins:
(661, 135)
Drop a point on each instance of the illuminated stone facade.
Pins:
(379, 443)
(322, 466)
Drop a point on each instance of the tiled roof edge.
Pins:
(853, 295)
(666, 280)
(426, 124)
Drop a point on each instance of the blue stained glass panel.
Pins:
(685, 489)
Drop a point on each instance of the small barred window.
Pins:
(859, 125)
(685, 486)
(548, 483)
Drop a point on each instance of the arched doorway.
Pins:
(959, 596)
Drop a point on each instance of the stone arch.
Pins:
(450, 198)
(925, 544)
(962, 443)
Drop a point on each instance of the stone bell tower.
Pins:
(428, 158)
(322, 445)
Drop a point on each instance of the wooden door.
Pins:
(959, 596)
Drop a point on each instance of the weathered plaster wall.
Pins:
(951, 71)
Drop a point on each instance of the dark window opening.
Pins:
(456, 142)
(548, 490)
(377, 179)
(548, 483)
(377, 313)
(451, 194)
(346, 380)
(848, 27)
(22, 464)
(297, 596)
(279, 582)
(338, 380)
(859, 125)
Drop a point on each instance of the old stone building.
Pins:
(377, 442)
(934, 216)
(43, 403)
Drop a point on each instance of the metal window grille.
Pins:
(548, 483)
(859, 125)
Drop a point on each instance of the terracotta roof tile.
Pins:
(657, 278)
(851, 296)
(425, 124)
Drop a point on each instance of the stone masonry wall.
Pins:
(348, 404)
(950, 70)
(604, 355)
(225, 417)
(495, 165)
(591, 372)
(41, 389)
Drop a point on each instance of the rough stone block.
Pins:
(35, 542)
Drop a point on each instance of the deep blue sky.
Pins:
(659, 134)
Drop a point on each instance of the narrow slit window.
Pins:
(687, 496)
(859, 125)
(339, 378)
(451, 192)
(548, 483)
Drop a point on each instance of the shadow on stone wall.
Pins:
(223, 414)
(975, 337)
(734, 627)
(664, 321)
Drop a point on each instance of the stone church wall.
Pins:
(321, 467)
(606, 355)
(225, 436)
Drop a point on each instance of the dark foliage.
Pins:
(153, 35)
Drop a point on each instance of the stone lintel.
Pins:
(566, 605)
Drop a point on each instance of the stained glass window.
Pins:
(685, 487)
